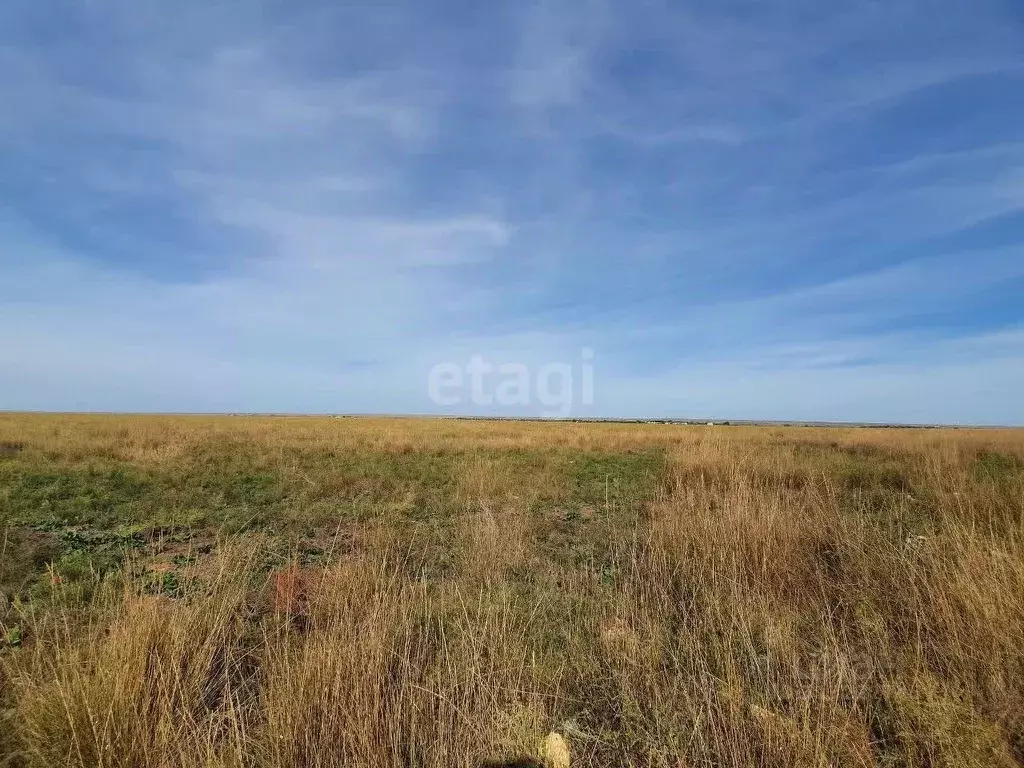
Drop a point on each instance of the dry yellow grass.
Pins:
(661, 596)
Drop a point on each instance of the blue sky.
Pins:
(788, 210)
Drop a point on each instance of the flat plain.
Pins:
(312, 591)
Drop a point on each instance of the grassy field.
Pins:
(200, 591)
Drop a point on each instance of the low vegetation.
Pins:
(198, 591)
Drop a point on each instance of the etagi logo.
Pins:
(480, 382)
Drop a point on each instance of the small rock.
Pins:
(556, 751)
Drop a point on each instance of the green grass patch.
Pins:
(611, 480)
(993, 465)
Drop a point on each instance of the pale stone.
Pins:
(556, 751)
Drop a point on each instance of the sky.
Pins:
(747, 210)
